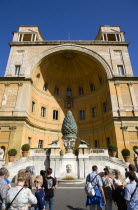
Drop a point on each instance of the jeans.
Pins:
(50, 202)
(94, 207)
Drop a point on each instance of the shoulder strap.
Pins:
(93, 178)
(8, 206)
(133, 192)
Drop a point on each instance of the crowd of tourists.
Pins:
(102, 190)
(21, 197)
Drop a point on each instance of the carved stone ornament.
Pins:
(69, 168)
(20, 84)
(12, 128)
(69, 126)
(68, 103)
(69, 131)
(130, 84)
(124, 128)
(117, 83)
(7, 84)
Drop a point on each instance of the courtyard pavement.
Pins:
(71, 196)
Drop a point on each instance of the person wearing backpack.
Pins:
(49, 185)
(131, 192)
(96, 201)
(107, 187)
(118, 192)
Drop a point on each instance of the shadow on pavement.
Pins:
(71, 207)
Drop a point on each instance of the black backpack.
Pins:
(118, 198)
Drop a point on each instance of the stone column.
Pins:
(119, 98)
(81, 166)
(12, 134)
(124, 129)
(19, 100)
(133, 98)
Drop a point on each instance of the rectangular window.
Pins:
(45, 87)
(82, 114)
(17, 70)
(108, 141)
(69, 92)
(29, 140)
(101, 80)
(92, 87)
(104, 107)
(120, 70)
(55, 115)
(56, 91)
(27, 37)
(94, 112)
(33, 106)
(111, 37)
(96, 144)
(43, 111)
(40, 144)
(81, 91)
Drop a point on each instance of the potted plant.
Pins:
(135, 149)
(25, 150)
(112, 150)
(126, 155)
(11, 154)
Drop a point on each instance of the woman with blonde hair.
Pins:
(19, 197)
(40, 194)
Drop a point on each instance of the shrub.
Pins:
(135, 147)
(25, 147)
(125, 152)
(12, 152)
(112, 147)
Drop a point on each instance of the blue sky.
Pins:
(59, 18)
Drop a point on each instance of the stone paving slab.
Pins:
(71, 197)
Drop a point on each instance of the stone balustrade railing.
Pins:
(39, 152)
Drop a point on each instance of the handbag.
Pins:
(89, 189)
(8, 206)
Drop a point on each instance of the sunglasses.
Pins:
(36, 182)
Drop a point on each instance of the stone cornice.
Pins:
(78, 42)
(125, 118)
(122, 79)
(26, 120)
(15, 79)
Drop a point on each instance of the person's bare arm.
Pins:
(104, 200)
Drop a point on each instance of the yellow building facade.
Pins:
(43, 79)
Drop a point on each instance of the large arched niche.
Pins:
(72, 67)
(35, 62)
